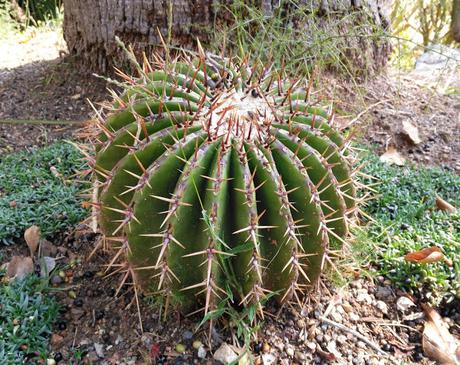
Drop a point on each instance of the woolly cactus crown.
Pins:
(216, 178)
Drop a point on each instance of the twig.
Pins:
(40, 122)
(354, 333)
(74, 337)
(390, 324)
(365, 111)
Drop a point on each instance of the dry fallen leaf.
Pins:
(20, 266)
(393, 157)
(32, 237)
(411, 131)
(441, 204)
(427, 255)
(47, 264)
(438, 343)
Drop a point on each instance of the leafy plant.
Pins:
(214, 176)
(34, 189)
(26, 318)
(406, 221)
(41, 10)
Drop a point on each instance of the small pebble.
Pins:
(57, 356)
(180, 348)
(196, 344)
(187, 335)
(201, 353)
(56, 280)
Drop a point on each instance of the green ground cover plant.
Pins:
(26, 318)
(406, 220)
(36, 188)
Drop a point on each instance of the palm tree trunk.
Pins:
(90, 26)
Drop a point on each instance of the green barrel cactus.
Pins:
(216, 178)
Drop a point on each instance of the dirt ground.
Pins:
(99, 325)
(102, 328)
(41, 82)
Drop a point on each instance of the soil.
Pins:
(43, 83)
(428, 100)
(99, 325)
(99, 322)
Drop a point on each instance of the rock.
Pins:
(404, 303)
(354, 317)
(118, 340)
(341, 339)
(383, 293)
(268, 359)
(336, 316)
(301, 323)
(225, 354)
(347, 307)
(381, 306)
(201, 353)
(290, 351)
(99, 350)
(300, 356)
(50, 362)
(180, 348)
(56, 280)
(56, 340)
(436, 57)
(363, 296)
(196, 344)
(311, 346)
(187, 335)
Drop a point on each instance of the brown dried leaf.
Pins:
(411, 131)
(426, 256)
(20, 266)
(438, 343)
(441, 204)
(32, 237)
(393, 157)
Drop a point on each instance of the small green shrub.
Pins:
(26, 318)
(41, 10)
(34, 190)
(407, 220)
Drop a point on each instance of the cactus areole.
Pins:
(215, 179)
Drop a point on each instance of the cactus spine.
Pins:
(214, 176)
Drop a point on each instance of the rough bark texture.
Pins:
(90, 26)
(455, 25)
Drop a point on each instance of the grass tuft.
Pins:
(406, 220)
(35, 189)
(26, 318)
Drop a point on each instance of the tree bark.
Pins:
(90, 26)
(455, 24)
